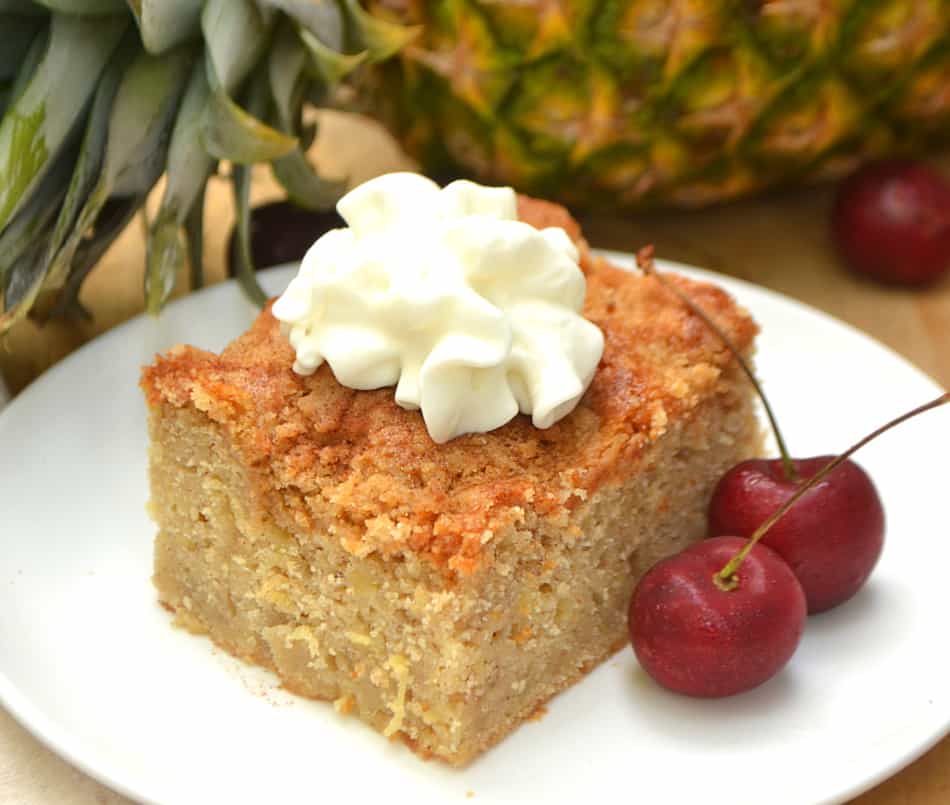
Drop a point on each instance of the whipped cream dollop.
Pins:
(472, 314)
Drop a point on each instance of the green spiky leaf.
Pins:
(89, 161)
(141, 115)
(380, 38)
(235, 35)
(165, 256)
(31, 61)
(113, 218)
(194, 237)
(37, 215)
(321, 18)
(39, 122)
(166, 23)
(231, 133)
(22, 7)
(328, 65)
(16, 36)
(89, 8)
(304, 185)
(188, 167)
(246, 274)
(21, 284)
(285, 67)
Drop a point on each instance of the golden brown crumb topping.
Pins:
(328, 448)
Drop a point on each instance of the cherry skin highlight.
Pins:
(891, 222)
(694, 637)
(831, 539)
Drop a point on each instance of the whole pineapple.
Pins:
(646, 102)
(620, 103)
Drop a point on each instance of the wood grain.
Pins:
(781, 242)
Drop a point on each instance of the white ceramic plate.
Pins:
(89, 662)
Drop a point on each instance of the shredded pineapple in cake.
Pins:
(399, 665)
(359, 638)
(303, 634)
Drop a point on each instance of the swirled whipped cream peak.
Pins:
(470, 313)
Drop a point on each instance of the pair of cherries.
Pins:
(789, 538)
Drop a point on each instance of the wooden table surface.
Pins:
(781, 242)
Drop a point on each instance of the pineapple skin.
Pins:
(645, 103)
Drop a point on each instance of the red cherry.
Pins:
(695, 636)
(831, 538)
(705, 630)
(891, 221)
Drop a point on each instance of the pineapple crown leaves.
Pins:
(99, 98)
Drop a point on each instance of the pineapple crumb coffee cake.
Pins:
(440, 592)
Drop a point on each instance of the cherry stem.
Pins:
(726, 578)
(646, 265)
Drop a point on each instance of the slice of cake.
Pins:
(439, 592)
